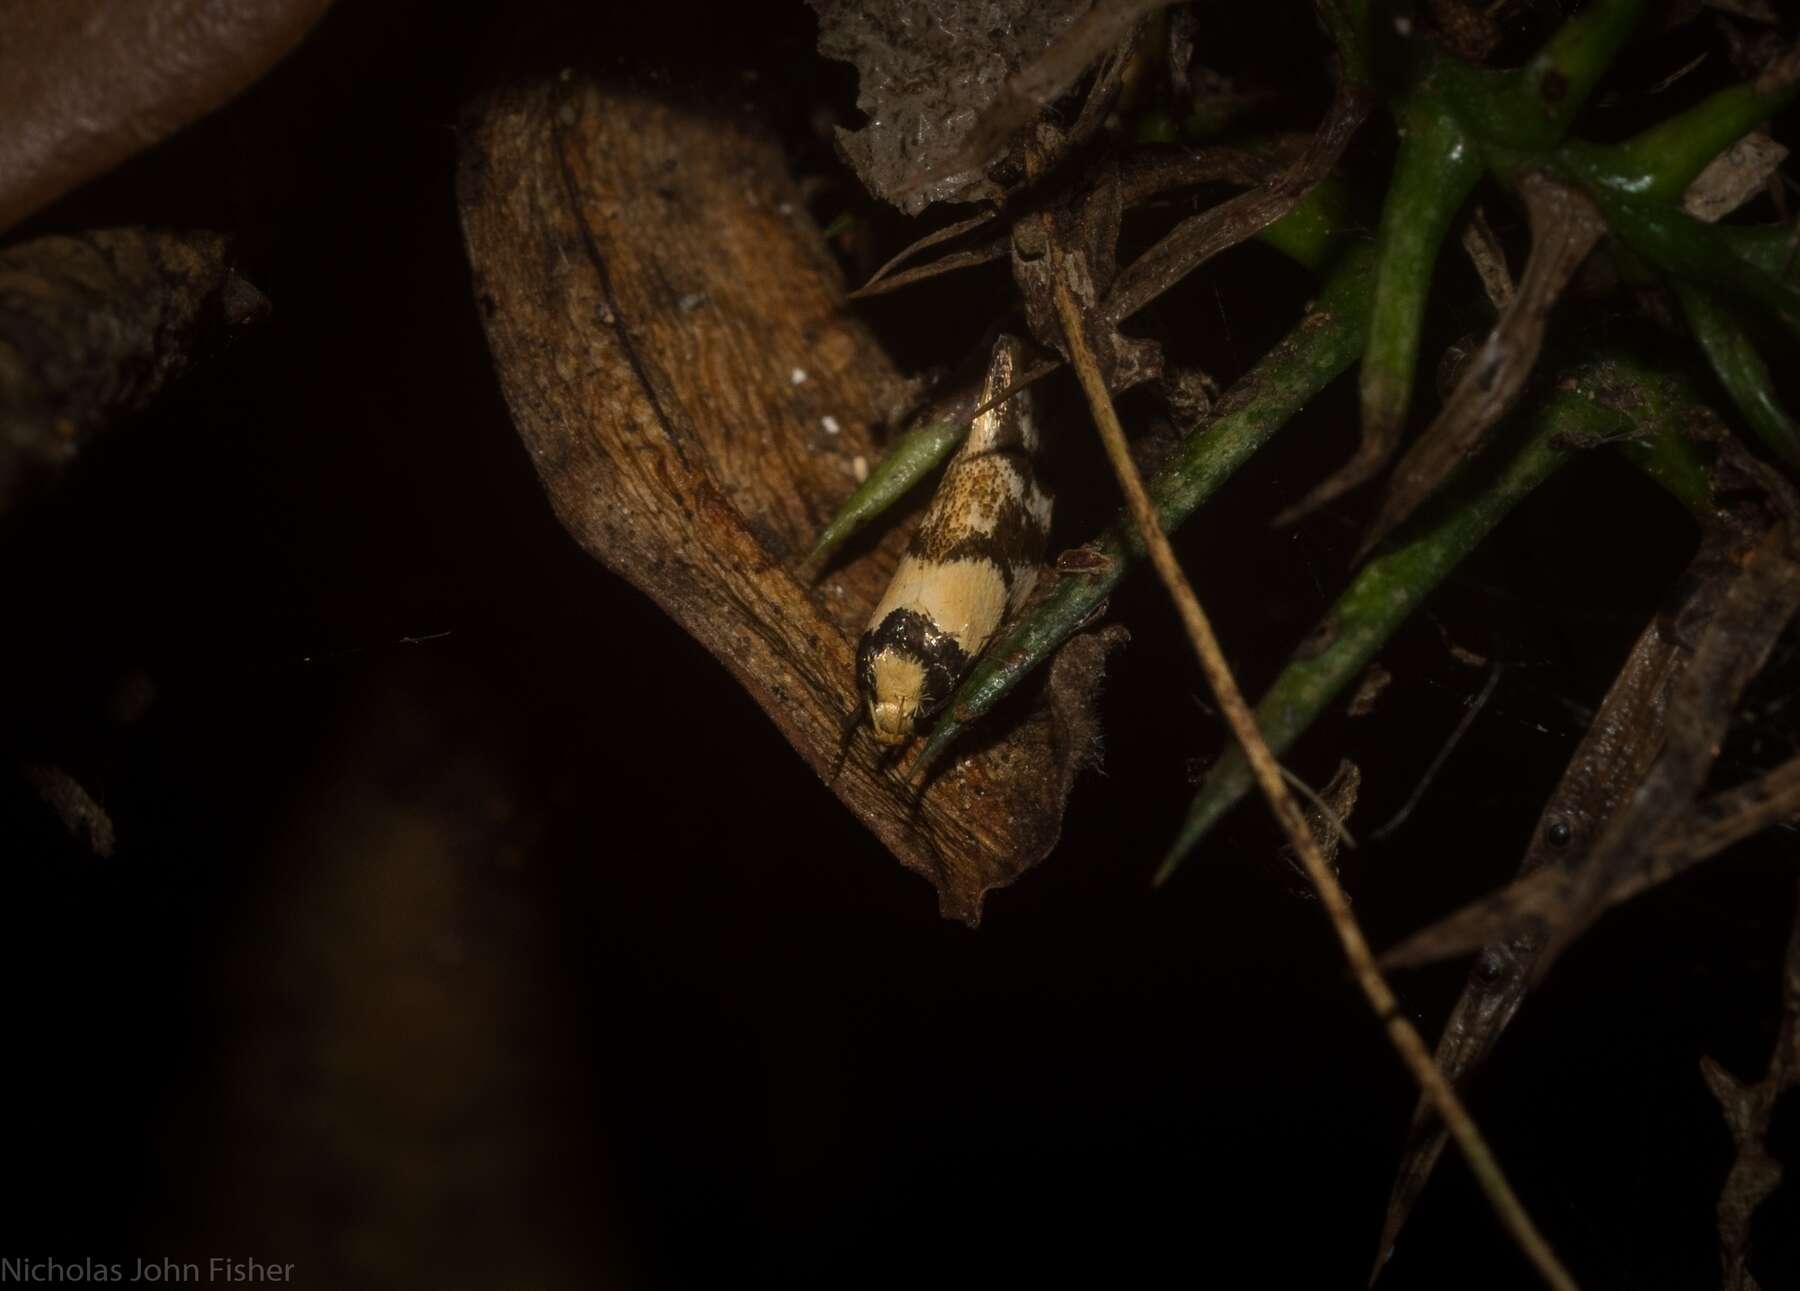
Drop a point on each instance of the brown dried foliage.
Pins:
(678, 450)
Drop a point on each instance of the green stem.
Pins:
(1772, 248)
(1533, 107)
(1671, 458)
(1316, 231)
(1740, 370)
(1671, 154)
(1685, 247)
(1347, 23)
(1437, 168)
(1554, 85)
(913, 456)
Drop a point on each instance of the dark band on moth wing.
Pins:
(1016, 540)
(912, 634)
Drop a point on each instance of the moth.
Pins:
(972, 562)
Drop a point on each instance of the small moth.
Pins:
(971, 562)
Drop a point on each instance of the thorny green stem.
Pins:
(1436, 170)
(1740, 369)
(1286, 379)
(1387, 590)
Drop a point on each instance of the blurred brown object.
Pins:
(85, 84)
(92, 327)
(396, 1089)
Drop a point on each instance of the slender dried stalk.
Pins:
(1405, 1038)
(1749, 1111)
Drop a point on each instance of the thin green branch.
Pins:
(1316, 231)
(1671, 154)
(1436, 170)
(1688, 248)
(1672, 458)
(1740, 369)
(1533, 106)
(1347, 23)
(913, 456)
(1551, 89)
(1772, 248)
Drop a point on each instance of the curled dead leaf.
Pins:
(678, 449)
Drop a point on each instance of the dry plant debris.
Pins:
(1028, 115)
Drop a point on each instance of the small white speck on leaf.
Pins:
(798, 376)
(830, 424)
(859, 467)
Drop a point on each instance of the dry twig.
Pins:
(1749, 1109)
(1237, 713)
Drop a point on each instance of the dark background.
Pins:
(469, 928)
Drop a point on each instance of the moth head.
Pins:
(896, 692)
(907, 666)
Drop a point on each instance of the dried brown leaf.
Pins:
(935, 238)
(1155, 171)
(1716, 824)
(931, 75)
(968, 258)
(1200, 237)
(1073, 246)
(676, 449)
(1489, 259)
(1032, 86)
(1760, 598)
(1733, 177)
(1742, 594)
(1609, 762)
